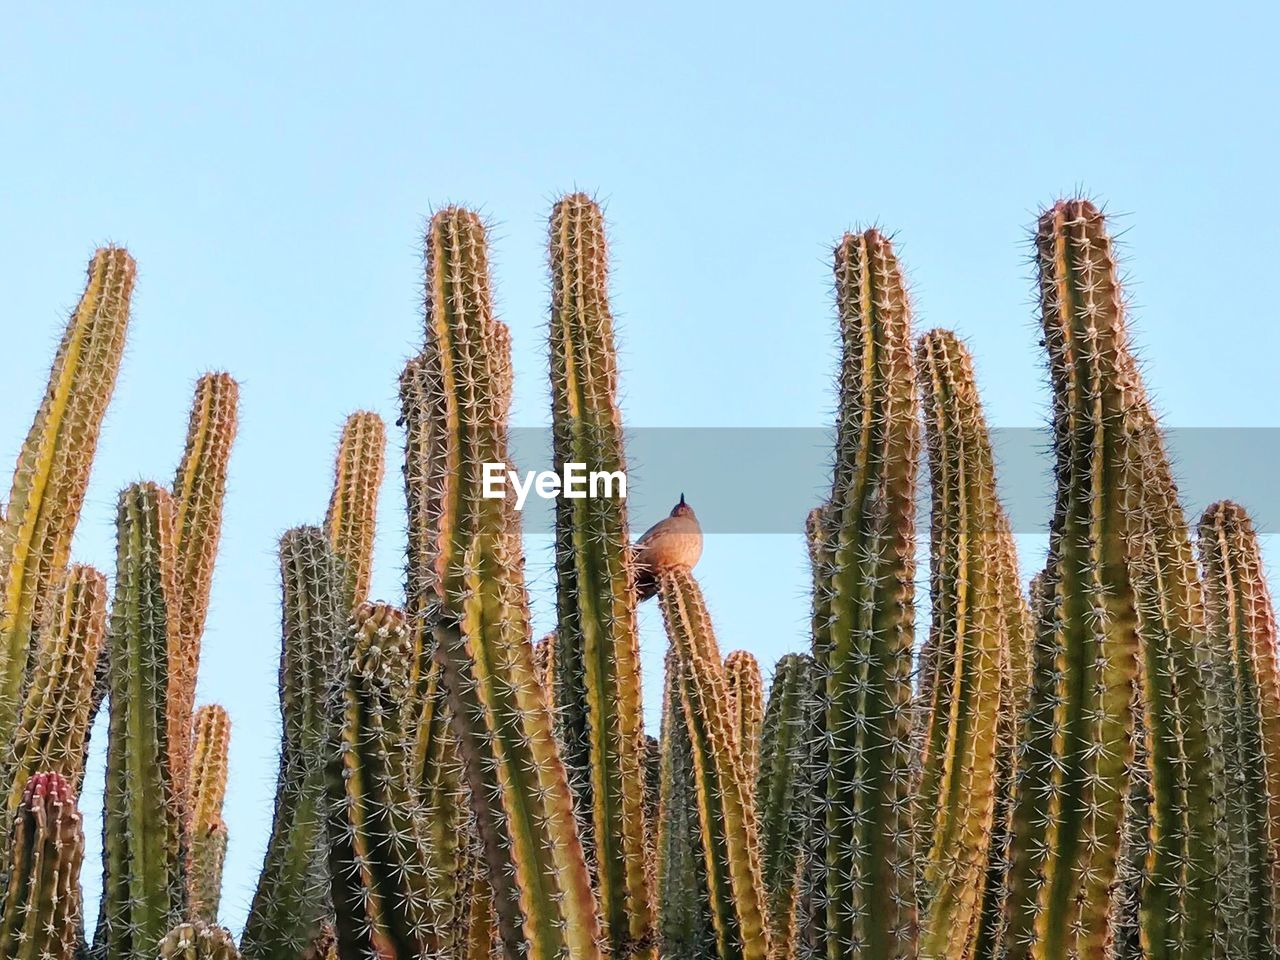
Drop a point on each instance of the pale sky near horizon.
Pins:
(270, 167)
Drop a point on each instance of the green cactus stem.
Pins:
(52, 473)
(597, 674)
(784, 795)
(198, 491)
(746, 708)
(971, 586)
(518, 787)
(40, 905)
(352, 517)
(207, 831)
(143, 885)
(727, 821)
(863, 612)
(198, 941)
(54, 727)
(292, 899)
(1241, 626)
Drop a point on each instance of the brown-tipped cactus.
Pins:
(972, 587)
(40, 905)
(198, 941)
(52, 474)
(198, 490)
(375, 815)
(746, 707)
(863, 894)
(353, 507)
(207, 831)
(54, 727)
(784, 796)
(1245, 681)
(727, 821)
(518, 786)
(292, 899)
(597, 671)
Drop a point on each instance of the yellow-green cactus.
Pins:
(746, 707)
(351, 520)
(206, 830)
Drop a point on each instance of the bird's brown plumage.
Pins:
(675, 541)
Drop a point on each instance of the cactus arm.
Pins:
(598, 695)
(292, 898)
(54, 728)
(143, 887)
(53, 467)
(40, 905)
(730, 838)
(198, 941)
(746, 708)
(865, 599)
(207, 832)
(351, 520)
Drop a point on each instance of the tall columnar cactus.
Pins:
(198, 941)
(863, 613)
(1245, 678)
(292, 899)
(143, 884)
(198, 491)
(206, 830)
(374, 811)
(40, 905)
(597, 673)
(53, 468)
(784, 796)
(353, 508)
(54, 726)
(972, 587)
(746, 708)
(518, 786)
(727, 820)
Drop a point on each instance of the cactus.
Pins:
(375, 814)
(1246, 682)
(971, 586)
(198, 941)
(863, 612)
(54, 727)
(207, 832)
(727, 821)
(783, 796)
(597, 673)
(198, 490)
(143, 884)
(518, 786)
(40, 905)
(353, 508)
(746, 708)
(52, 474)
(544, 661)
(292, 898)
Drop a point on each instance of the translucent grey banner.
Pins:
(765, 480)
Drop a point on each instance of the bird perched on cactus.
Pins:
(675, 541)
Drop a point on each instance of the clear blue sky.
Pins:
(270, 166)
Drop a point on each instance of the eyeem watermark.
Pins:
(574, 483)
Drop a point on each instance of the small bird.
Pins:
(675, 541)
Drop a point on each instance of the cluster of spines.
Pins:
(52, 473)
(863, 875)
(206, 830)
(597, 670)
(198, 940)
(351, 519)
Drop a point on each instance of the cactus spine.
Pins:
(783, 796)
(727, 821)
(292, 898)
(52, 474)
(40, 906)
(207, 831)
(143, 885)
(1246, 680)
(198, 941)
(746, 708)
(864, 619)
(597, 673)
(54, 726)
(353, 508)
(519, 789)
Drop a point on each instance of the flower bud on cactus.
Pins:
(353, 508)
